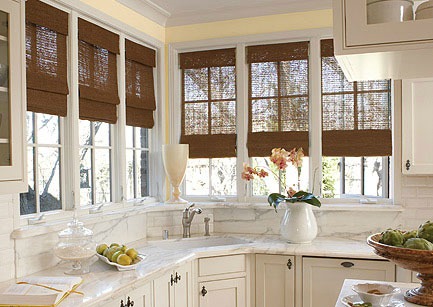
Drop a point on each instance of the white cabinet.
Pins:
(322, 278)
(173, 289)
(397, 50)
(222, 281)
(223, 293)
(275, 281)
(12, 87)
(417, 126)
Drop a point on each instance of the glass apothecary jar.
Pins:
(76, 245)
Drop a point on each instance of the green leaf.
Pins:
(274, 199)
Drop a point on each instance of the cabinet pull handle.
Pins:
(177, 278)
(203, 291)
(347, 264)
(172, 280)
(129, 303)
(289, 264)
(407, 165)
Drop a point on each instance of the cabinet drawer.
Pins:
(221, 265)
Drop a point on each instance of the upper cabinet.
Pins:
(371, 50)
(12, 85)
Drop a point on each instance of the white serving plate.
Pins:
(353, 299)
(122, 267)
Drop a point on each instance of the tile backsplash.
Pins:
(34, 253)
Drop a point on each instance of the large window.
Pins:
(209, 121)
(44, 150)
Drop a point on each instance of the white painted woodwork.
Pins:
(275, 281)
(398, 50)
(322, 278)
(223, 293)
(417, 124)
(12, 177)
(142, 297)
(221, 265)
(177, 294)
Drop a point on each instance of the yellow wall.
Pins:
(249, 26)
(128, 16)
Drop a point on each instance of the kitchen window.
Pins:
(302, 100)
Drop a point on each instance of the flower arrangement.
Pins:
(282, 159)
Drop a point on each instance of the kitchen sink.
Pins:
(194, 243)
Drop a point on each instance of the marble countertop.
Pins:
(105, 282)
(346, 290)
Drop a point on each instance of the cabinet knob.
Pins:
(177, 278)
(203, 291)
(289, 264)
(407, 165)
(347, 264)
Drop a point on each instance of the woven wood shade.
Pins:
(278, 97)
(356, 116)
(97, 70)
(209, 103)
(46, 58)
(140, 89)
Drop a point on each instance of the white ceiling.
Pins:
(182, 12)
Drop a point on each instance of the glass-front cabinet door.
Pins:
(12, 86)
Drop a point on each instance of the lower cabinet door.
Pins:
(223, 293)
(141, 297)
(275, 281)
(162, 291)
(322, 278)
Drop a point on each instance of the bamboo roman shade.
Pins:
(140, 90)
(46, 57)
(356, 116)
(278, 97)
(97, 70)
(209, 103)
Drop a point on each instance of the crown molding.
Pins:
(148, 9)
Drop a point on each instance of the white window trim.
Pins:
(70, 132)
(315, 171)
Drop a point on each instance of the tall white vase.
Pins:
(175, 159)
(299, 223)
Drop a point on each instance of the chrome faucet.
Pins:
(188, 215)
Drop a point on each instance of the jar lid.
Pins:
(424, 5)
(374, 1)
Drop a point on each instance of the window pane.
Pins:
(352, 171)
(28, 200)
(130, 174)
(196, 84)
(30, 127)
(223, 176)
(142, 138)
(269, 184)
(102, 176)
(85, 133)
(373, 176)
(49, 179)
(86, 180)
(331, 167)
(48, 129)
(102, 134)
(143, 173)
(197, 177)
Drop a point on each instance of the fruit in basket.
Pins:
(132, 253)
(101, 248)
(392, 237)
(409, 235)
(418, 243)
(124, 259)
(425, 231)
